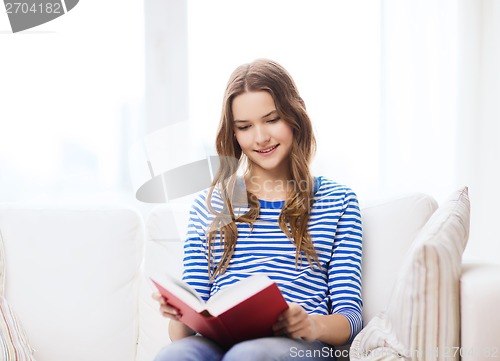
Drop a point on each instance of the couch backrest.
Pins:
(389, 227)
(73, 277)
(166, 228)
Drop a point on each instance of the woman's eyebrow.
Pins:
(264, 116)
(270, 113)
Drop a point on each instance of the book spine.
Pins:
(212, 328)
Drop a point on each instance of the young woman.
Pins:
(303, 232)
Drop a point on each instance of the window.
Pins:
(71, 96)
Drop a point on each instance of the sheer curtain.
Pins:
(440, 105)
(479, 121)
(419, 96)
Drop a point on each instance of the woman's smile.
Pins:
(267, 151)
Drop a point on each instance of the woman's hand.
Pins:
(166, 309)
(295, 322)
(176, 330)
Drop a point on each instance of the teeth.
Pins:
(267, 150)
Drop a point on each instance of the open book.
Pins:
(245, 310)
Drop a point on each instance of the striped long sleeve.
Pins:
(336, 230)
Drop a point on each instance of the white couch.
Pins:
(77, 276)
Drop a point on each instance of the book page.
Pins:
(182, 290)
(236, 293)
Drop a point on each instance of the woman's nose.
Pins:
(262, 136)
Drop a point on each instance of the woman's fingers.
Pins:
(166, 309)
(157, 297)
(294, 323)
(169, 311)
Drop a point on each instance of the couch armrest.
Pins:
(480, 319)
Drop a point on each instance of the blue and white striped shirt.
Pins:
(336, 231)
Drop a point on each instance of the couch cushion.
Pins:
(389, 228)
(73, 276)
(166, 229)
(422, 316)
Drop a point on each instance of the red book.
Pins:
(246, 310)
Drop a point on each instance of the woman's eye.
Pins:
(244, 127)
(274, 120)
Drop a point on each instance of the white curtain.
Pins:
(440, 105)
(479, 121)
(419, 95)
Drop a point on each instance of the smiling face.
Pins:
(263, 136)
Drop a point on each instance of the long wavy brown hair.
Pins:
(263, 75)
